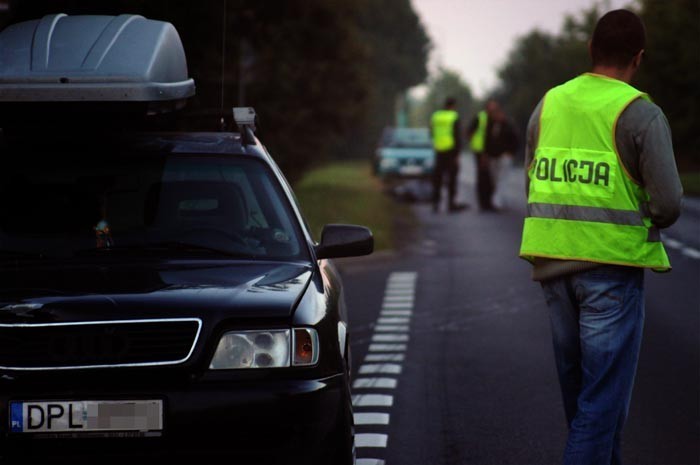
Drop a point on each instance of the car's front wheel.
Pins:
(340, 446)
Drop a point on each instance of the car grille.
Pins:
(97, 344)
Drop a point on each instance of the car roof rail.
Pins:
(245, 120)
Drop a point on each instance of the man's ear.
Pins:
(637, 60)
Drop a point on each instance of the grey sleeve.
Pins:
(657, 168)
(645, 146)
(533, 130)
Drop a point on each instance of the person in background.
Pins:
(493, 140)
(476, 134)
(602, 181)
(445, 132)
(501, 144)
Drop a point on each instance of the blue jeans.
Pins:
(597, 318)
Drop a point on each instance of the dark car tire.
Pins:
(340, 449)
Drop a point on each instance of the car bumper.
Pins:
(406, 172)
(246, 422)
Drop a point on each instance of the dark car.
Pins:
(162, 298)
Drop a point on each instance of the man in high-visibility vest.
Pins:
(444, 130)
(601, 182)
(493, 140)
(476, 133)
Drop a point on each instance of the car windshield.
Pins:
(76, 204)
(407, 137)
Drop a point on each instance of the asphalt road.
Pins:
(452, 354)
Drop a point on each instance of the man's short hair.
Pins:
(617, 38)
(450, 102)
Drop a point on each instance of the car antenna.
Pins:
(245, 120)
(222, 122)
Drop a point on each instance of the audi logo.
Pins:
(88, 346)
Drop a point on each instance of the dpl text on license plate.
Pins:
(86, 416)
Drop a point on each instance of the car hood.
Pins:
(239, 290)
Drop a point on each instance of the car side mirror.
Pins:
(344, 240)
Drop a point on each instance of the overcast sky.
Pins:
(474, 37)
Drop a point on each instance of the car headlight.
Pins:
(388, 163)
(266, 349)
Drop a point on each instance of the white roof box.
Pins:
(61, 58)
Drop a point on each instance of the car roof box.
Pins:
(117, 59)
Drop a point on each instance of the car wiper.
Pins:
(160, 246)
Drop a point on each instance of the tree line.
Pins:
(323, 75)
(670, 70)
(540, 60)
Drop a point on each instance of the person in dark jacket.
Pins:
(500, 141)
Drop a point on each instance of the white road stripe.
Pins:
(408, 292)
(396, 313)
(387, 347)
(397, 306)
(672, 243)
(401, 282)
(369, 462)
(390, 338)
(370, 440)
(690, 252)
(385, 357)
(403, 275)
(398, 298)
(391, 328)
(393, 320)
(372, 400)
(371, 418)
(408, 288)
(405, 303)
(386, 368)
(375, 383)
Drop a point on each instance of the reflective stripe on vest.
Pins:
(477, 143)
(442, 124)
(579, 213)
(582, 205)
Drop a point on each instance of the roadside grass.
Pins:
(348, 192)
(691, 182)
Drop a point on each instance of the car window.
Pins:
(407, 137)
(73, 204)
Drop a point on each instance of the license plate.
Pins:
(411, 170)
(88, 416)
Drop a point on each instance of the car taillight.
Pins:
(305, 347)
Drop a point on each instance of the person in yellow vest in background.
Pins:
(493, 140)
(476, 133)
(445, 132)
(602, 181)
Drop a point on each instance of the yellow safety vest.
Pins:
(582, 204)
(477, 143)
(442, 123)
